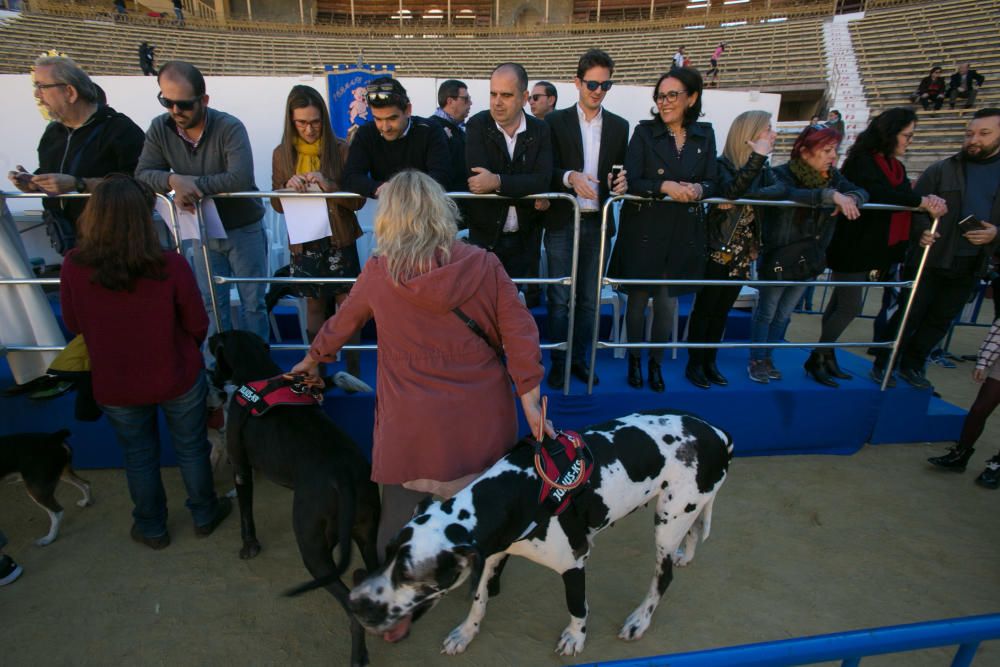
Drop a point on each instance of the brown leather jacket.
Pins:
(344, 225)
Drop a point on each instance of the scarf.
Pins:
(307, 155)
(899, 221)
(808, 177)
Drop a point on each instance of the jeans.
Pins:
(559, 257)
(770, 319)
(242, 254)
(138, 433)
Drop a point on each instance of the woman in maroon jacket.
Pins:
(445, 410)
(142, 317)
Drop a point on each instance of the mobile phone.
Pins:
(616, 170)
(24, 177)
(970, 224)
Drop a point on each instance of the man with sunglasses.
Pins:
(393, 140)
(454, 103)
(587, 141)
(197, 151)
(85, 141)
(508, 153)
(543, 99)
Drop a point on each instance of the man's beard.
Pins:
(983, 154)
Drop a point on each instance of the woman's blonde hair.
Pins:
(745, 128)
(415, 223)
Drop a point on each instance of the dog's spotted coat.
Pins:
(673, 459)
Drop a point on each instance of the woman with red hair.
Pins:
(795, 239)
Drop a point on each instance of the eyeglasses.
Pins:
(535, 98)
(594, 85)
(183, 105)
(303, 124)
(43, 86)
(669, 96)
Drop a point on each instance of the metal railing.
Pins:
(603, 280)
(570, 280)
(848, 647)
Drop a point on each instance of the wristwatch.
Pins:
(81, 185)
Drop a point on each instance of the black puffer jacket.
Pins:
(754, 180)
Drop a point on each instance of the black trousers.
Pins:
(711, 310)
(940, 297)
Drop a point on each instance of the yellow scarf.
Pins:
(307, 159)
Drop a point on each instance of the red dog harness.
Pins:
(565, 465)
(260, 396)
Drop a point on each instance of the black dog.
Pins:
(42, 459)
(299, 447)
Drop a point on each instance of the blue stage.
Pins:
(793, 416)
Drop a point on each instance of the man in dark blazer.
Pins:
(508, 153)
(965, 82)
(454, 103)
(587, 140)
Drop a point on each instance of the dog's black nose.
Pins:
(369, 612)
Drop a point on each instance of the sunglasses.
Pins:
(594, 85)
(669, 96)
(535, 98)
(183, 105)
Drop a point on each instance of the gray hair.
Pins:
(64, 70)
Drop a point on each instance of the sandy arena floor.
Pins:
(800, 545)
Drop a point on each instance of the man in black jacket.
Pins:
(392, 141)
(965, 82)
(508, 153)
(587, 141)
(454, 103)
(85, 141)
(969, 182)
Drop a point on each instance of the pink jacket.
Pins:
(444, 407)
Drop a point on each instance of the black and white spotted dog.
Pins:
(675, 459)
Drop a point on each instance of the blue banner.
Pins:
(346, 94)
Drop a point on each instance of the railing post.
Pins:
(571, 322)
(203, 232)
(175, 228)
(906, 311)
(602, 246)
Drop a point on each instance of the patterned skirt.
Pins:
(323, 258)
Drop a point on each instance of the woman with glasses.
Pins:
(795, 239)
(733, 237)
(877, 239)
(138, 307)
(310, 158)
(445, 410)
(670, 154)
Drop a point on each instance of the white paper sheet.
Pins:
(188, 222)
(306, 218)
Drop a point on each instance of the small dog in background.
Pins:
(41, 460)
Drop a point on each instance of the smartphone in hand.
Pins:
(970, 224)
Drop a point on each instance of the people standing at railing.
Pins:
(198, 151)
(670, 154)
(508, 153)
(795, 240)
(987, 372)
(969, 182)
(877, 240)
(733, 237)
(438, 377)
(140, 313)
(309, 157)
(964, 83)
(392, 141)
(543, 99)
(587, 141)
(931, 90)
(85, 142)
(454, 103)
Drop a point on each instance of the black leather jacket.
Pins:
(754, 180)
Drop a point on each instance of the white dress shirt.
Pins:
(590, 132)
(511, 225)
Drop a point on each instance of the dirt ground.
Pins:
(800, 545)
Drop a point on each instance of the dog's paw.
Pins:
(635, 625)
(572, 640)
(250, 550)
(680, 558)
(44, 541)
(459, 638)
(85, 502)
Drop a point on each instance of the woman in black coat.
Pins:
(671, 154)
(877, 239)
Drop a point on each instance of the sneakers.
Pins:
(9, 570)
(772, 372)
(955, 460)
(757, 370)
(990, 478)
(914, 378)
(941, 358)
(154, 543)
(223, 510)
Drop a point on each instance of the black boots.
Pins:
(635, 371)
(955, 460)
(713, 374)
(696, 376)
(816, 369)
(655, 378)
(833, 368)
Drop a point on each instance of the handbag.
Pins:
(800, 260)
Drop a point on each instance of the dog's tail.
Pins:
(346, 507)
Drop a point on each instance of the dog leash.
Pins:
(539, 438)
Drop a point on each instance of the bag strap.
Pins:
(478, 330)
